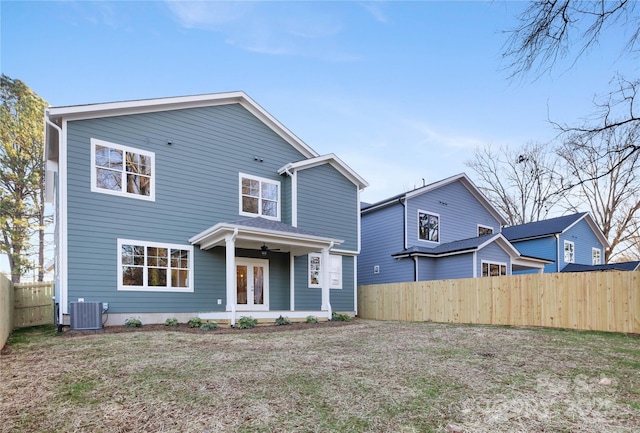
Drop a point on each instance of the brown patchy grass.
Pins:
(362, 377)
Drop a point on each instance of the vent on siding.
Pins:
(86, 315)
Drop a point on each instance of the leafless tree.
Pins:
(522, 183)
(553, 30)
(607, 183)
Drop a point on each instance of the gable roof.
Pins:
(462, 178)
(551, 227)
(331, 159)
(624, 266)
(109, 109)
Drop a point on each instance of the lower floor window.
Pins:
(490, 269)
(154, 266)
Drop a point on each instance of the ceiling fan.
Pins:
(265, 249)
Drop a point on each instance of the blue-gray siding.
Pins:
(196, 180)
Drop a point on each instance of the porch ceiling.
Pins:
(256, 232)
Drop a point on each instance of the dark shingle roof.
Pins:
(541, 228)
(449, 247)
(624, 266)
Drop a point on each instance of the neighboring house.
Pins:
(569, 239)
(447, 229)
(623, 266)
(198, 206)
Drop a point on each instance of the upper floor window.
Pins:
(596, 256)
(153, 266)
(569, 252)
(122, 170)
(259, 197)
(428, 226)
(484, 230)
(490, 269)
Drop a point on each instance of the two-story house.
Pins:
(198, 206)
(446, 229)
(566, 240)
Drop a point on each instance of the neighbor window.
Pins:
(490, 269)
(484, 230)
(428, 226)
(155, 267)
(259, 197)
(335, 271)
(121, 170)
(596, 256)
(569, 252)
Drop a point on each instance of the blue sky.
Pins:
(400, 91)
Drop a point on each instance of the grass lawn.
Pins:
(362, 377)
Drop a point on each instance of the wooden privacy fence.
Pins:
(23, 305)
(603, 301)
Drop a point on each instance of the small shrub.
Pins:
(194, 322)
(247, 322)
(171, 322)
(209, 326)
(283, 321)
(340, 317)
(312, 319)
(132, 322)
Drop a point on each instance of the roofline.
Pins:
(594, 227)
(466, 181)
(121, 108)
(335, 162)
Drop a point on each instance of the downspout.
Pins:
(58, 289)
(326, 281)
(557, 252)
(415, 268)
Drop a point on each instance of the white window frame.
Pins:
(489, 263)
(259, 214)
(596, 252)
(485, 227)
(572, 251)
(152, 182)
(145, 287)
(335, 271)
(439, 226)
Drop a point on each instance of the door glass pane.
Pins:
(241, 284)
(258, 281)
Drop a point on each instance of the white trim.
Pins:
(63, 224)
(475, 264)
(419, 211)
(242, 176)
(145, 287)
(250, 263)
(333, 260)
(355, 284)
(493, 230)
(564, 251)
(593, 250)
(491, 262)
(294, 199)
(292, 282)
(331, 159)
(123, 193)
(110, 109)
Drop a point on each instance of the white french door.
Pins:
(252, 284)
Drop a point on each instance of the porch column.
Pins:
(230, 260)
(326, 282)
(292, 283)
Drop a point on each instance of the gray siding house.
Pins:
(443, 230)
(198, 206)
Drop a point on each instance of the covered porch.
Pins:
(247, 279)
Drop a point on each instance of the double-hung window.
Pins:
(122, 170)
(596, 258)
(335, 271)
(259, 197)
(569, 252)
(484, 230)
(428, 226)
(152, 266)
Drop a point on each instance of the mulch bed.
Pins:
(222, 329)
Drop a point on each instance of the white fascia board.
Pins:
(473, 189)
(503, 242)
(335, 162)
(110, 109)
(594, 227)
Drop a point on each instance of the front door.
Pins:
(252, 284)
